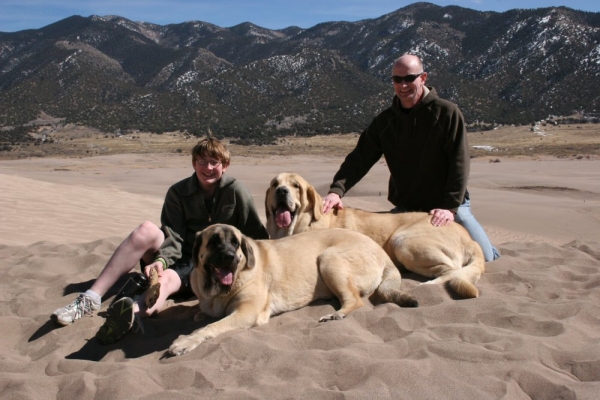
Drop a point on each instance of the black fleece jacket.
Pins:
(185, 212)
(426, 152)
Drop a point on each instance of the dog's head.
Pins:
(289, 198)
(220, 253)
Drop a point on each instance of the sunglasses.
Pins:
(407, 78)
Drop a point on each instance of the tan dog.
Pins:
(247, 281)
(446, 253)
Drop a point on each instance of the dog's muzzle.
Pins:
(284, 212)
(223, 265)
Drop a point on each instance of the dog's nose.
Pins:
(227, 257)
(282, 191)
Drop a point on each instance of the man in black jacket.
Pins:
(423, 139)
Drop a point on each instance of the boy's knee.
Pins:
(146, 233)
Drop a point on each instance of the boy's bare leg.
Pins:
(142, 243)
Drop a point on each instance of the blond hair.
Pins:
(213, 148)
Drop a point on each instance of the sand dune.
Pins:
(533, 332)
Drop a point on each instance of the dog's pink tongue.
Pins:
(226, 277)
(283, 217)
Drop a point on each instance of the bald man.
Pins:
(424, 142)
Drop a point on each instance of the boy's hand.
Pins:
(156, 265)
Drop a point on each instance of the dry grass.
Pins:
(560, 141)
(578, 141)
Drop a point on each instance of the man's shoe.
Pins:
(118, 322)
(83, 305)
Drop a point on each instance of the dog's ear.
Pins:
(248, 253)
(267, 211)
(197, 245)
(315, 202)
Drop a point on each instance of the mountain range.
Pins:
(255, 84)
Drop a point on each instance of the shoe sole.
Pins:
(118, 322)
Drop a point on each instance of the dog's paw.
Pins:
(183, 345)
(331, 317)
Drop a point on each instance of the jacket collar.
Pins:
(429, 95)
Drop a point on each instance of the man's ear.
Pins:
(197, 246)
(248, 253)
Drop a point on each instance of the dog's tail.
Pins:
(389, 291)
(462, 281)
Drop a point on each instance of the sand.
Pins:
(532, 334)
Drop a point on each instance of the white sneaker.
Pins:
(83, 305)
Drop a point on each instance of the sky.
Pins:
(17, 15)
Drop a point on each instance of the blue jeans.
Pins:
(467, 219)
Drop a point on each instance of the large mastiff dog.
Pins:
(246, 281)
(446, 253)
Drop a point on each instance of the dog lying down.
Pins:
(246, 281)
(446, 253)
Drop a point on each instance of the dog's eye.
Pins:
(296, 185)
(235, 242)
